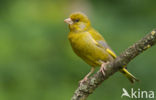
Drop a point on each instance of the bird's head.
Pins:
(78, 22)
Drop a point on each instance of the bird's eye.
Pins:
(77, 20)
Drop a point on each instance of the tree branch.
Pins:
(85, 89)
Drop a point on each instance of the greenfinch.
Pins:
(89, 45)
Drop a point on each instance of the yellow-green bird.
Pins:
(89, 45)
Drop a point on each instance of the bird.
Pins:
(90, 45)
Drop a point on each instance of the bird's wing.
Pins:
(106, 47)
(100, 42)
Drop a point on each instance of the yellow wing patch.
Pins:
(111, 53)
(95, 41)
(108, 50)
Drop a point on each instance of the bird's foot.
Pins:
(86, 77)
(83, 80)
(103, 68)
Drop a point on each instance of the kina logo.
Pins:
(137, 93)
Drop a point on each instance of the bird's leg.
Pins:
(103, 67)
(86, 77)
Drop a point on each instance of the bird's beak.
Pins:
(68, 21)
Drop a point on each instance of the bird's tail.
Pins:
(130, 77)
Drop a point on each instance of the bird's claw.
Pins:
(83, 80)
(103, 68)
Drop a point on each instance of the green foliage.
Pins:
(37, 62)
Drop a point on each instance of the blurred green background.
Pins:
(37, 62)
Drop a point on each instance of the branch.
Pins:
(85, 89)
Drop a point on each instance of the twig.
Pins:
(85, 89)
